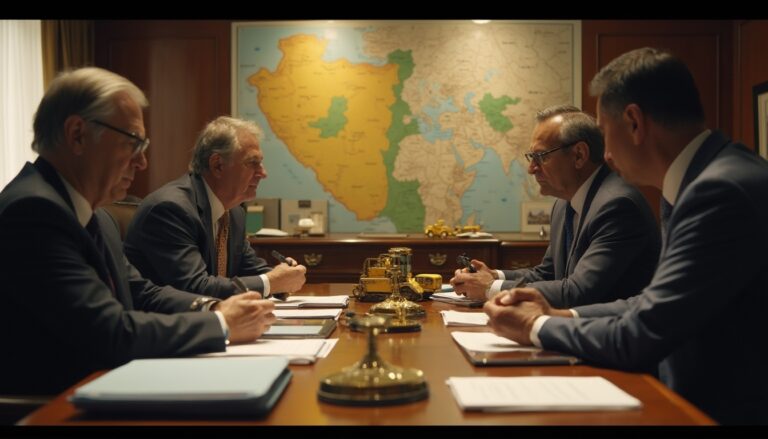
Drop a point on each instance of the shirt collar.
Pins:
(83, 208)
(217, 208)
(578, 199)
(674, 176)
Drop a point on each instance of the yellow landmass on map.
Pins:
(300, 91)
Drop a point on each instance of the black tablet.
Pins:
(301, 328)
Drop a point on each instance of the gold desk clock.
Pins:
(371, 381)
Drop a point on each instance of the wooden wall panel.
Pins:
(706, 46)
(183, 67)
(751, 69)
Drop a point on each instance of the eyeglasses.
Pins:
(139, 145)
(540, 157)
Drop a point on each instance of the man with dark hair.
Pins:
(701, 318)
(74, 303)
(190, 233)
(604, 239)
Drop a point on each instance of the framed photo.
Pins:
(535, 215)
(760, 108)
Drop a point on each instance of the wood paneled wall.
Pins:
(751, 68)
(184, 68)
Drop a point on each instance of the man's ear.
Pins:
(74, 134)
(216, 165)
(581, 154)
(635, 123)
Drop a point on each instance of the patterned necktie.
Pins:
(569, 213)
(665, 210)
(95, 231)
(221, 245)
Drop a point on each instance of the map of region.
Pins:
(399, 124)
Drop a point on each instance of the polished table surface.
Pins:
(431, 350)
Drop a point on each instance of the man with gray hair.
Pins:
(74, 303)
(604, 239)
(190, 233)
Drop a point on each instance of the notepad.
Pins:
(552, 393)
(202, 386)
(458, 318)
(488, 349)
(339, 301)
(301, 351)
(318, 313)
(456, 299)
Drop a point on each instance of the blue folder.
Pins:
(201, 386)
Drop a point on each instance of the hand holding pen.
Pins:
(242, 288)
(290, 262)
(464, 260)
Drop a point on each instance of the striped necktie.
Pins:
(221, 245)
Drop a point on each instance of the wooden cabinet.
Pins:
(521, 251)
(339, 257)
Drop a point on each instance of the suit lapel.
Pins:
(204, 212)
(115, 258)
(584, 217)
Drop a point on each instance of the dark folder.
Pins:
(201, 386)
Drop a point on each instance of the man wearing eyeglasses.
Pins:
(73, 303)
(604, 239)
(190, 233)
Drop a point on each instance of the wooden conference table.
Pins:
(431, 350)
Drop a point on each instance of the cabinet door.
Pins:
(515, 255)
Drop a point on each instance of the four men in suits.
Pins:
(612, 246)
(700, 319)
(74, 303)
(176, 236)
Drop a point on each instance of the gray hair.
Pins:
(220, 136)
(658, 82)
(87, 92)
(576, 126)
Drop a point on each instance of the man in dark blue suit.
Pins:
(190, 233)
(701, 318)
(607, 248)
(73, 303)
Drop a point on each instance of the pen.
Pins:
(242, 288)
(463, 259)
(281, 258)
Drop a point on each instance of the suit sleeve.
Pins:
(542, 272)
(619, 234)
(166, 241)
(68, 300)
(688, 291)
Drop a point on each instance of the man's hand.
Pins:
(285, 278)
(474, 285)
(247, 315)
(512, 313)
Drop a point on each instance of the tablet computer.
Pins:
(301, 328)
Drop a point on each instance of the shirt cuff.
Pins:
(495, 288)
(574, 312)
(265, 281)
(537, 324)
(224, 327)
(500, 274)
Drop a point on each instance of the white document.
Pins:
(456, 299)
(302, 351)
(339, 301)
(458, 318)
(321, 313)
(488, 342)
(536, 393)
(329, 344)
(271, 232)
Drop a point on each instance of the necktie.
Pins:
(95, 231)
(665, 210)
(221, 245)
(569, 213)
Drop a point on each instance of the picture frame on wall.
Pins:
(760, 110)
(535, 215)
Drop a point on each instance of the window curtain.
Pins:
(67, 44)
(21, 88)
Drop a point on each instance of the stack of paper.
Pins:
(457, 318)
(307, 313)
(303, 351)
(516, 394)
(456, 299)
(488, 342)
(340, 301)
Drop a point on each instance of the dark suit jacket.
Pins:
(170, 240)
(703, 314)
(614, 251)
(61, 320)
